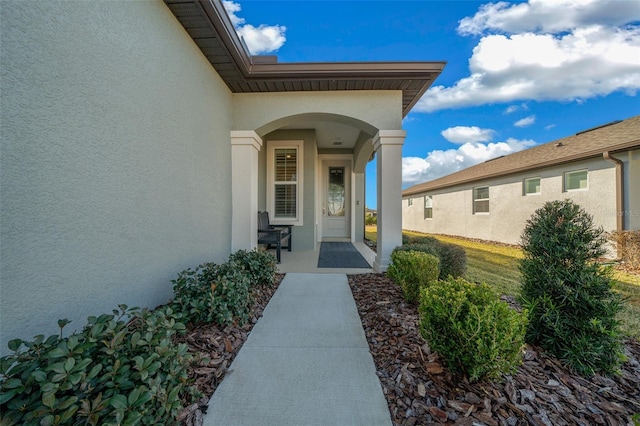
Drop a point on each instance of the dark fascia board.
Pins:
(218, 18)
(627, 146)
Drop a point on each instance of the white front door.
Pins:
(336, 203)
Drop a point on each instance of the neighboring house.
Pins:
(141, 138)
(599, 169)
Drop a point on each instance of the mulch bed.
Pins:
(418, 387)
(421, 391)
(220, 345)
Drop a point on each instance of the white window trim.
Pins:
(271, 148)
(524, 186)
(564, 180)
(425, 207)
(473, 199)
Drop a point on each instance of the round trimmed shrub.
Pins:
(471, 329)
(453, 259)
(412, 270)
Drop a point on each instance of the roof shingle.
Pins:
(617, 136)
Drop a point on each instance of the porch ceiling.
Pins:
(330, 134)
(209, 26)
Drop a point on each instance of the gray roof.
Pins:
(613, 137)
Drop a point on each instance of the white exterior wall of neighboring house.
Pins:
(115, 160)
(509, 209)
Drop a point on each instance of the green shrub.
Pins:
(411, 270)
(453, 259)
(370, 220)
(212, 293)
(473, 331)
(572, 306)
(260, 265)
(421, 239)
(113, 372)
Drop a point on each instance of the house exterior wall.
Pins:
(255, 111)
(115, 160)
(304, 236)
(509, 209)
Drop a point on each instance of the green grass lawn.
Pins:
(497, 266)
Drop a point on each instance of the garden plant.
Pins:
(126, 368)
(468, 325)
(412, 270)
(572, 307)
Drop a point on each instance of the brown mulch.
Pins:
(219, 345)
(420, 390)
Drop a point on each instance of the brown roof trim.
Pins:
(210, 27)
(413, 190)
(504, 165)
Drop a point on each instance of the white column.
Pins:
(245, 145)
(388, 145)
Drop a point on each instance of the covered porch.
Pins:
(308, 170)
(306, 261)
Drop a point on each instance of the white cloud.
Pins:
(513, 108)
(261, 39)
(551, 16)
(440, 163)
(464, 134)
(546, 50)
(549, 127)
(524, 122)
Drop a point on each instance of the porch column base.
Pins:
(245, 145)
(388, 145)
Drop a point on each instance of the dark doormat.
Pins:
(340, 255)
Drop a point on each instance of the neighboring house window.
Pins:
(574, 180)
(410, 201)
(531, 186)
(481, 199)
(284, 174)
(428, 207)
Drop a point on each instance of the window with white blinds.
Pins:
(428, 207)
(481, 199)
(284, 180)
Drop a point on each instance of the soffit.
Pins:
(330, 134)
(209, 26)
(615, 137)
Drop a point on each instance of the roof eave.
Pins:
(582, 156)
(212, 14)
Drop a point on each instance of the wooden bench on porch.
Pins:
(273, 235)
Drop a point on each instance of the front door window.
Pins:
(336, 195)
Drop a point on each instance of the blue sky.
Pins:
(518, 73)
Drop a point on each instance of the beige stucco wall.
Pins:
(509, 208)
(379, 109)
(115, 160)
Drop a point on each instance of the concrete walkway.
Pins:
(306, 362)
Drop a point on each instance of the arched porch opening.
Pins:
(308, 170)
